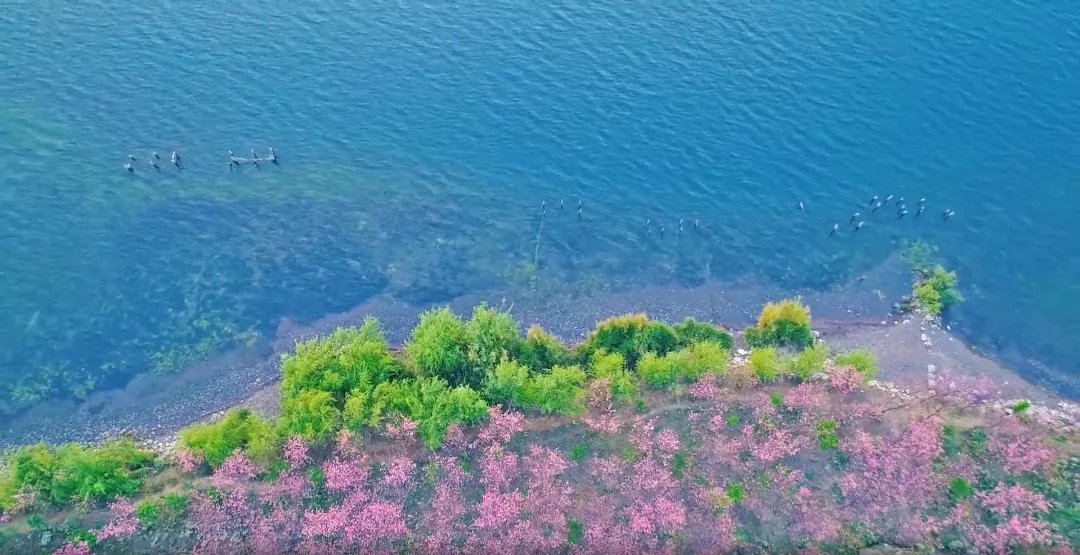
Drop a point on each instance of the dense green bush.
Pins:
(935, 290)
(540, 351)
(690, 331)
(430, 402)
(238, 429)
(657, 372)
(506, 384)
(860, 359)
(619, 334)
(809, 361)
(348, 358)
(657, 337)
(685, 365)
(493, 337)
(310, 413)
(439, 347)
(74, 472)
(698, 359)
(148, 511)
(560, 391)
(766, 363)
(786, 323)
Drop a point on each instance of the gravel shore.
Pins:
(847, 317)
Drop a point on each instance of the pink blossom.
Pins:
(404, 431)
(235, 471)
(295, 453)
(667, 441)
(345, 475)
(188, 461)
(124, 522)
(398, 471)
(501, 426)
(607, 423)
(704, 388)
(778, 444)
(73, 548)
(1018, 448)
(845, 379)
(805, 396)
(1005, 500)
(498, 509)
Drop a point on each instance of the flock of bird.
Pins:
(234, 161)
(856, 222)
(154, 158)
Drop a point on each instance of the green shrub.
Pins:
(766, 364)
(348, 358)
(238, 429)
(559, 392)
(36, 521)
(679, 462)
(612, 367)
(619, 334)
(810, 361)
(74, 472)
(175, 503)
(430, 402)
(693, 362)
(575, 531)
(735, 492)
(690, 331)
(506, 385)
(861, 360)
(657, 372)
(311, 413)
(1021, 406)
(540, 351)
(439, 347)
(148, 511)
(960, 489)
(493, 337)
(657, 337)
(579, 451)
(780, 324)
(936, 290)
(826, 435)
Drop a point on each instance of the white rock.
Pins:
(930, 368)
(741, 352)
(924, 338)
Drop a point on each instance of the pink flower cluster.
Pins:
(236, 471)
(124, 522)
(188, 461)
(73, 548)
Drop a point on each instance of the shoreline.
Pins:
(857, 315)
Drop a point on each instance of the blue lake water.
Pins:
(418, 142)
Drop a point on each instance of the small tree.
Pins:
(783, 323)
(440, 347)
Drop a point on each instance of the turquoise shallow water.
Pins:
(419, 141)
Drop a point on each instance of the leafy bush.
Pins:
(175, 503)
(579, 451)
(960, 489)
(657, 372)
(311, 413)
(657, 337)
(810, 361)
(559, 392)
(348, 358)
(783, 323)
(766, 364)
(238, 429)
(936, 290)
(861, 360)
(493, 337)
(826, 435)
(148, 511)
(507, 383)
(619, 334)
(439, 347)
(540, 351)
(698, 359)
(612, 367)
(690, 331)
(74, 472)
(430, 402)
